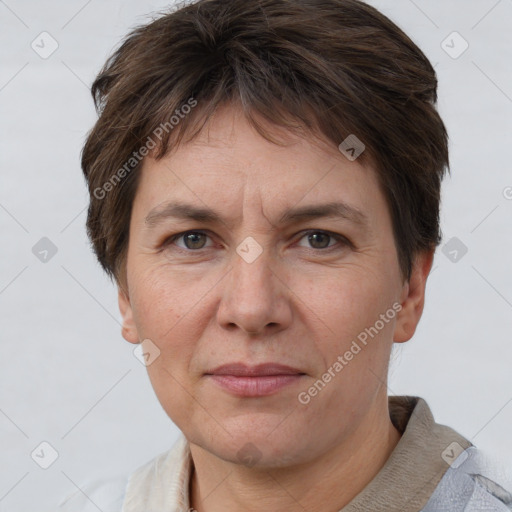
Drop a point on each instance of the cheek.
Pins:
(172, 308)
(166, 311)
(162, 299)
(348, 300)
(155, 310)
(351, 307)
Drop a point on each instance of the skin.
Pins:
(299, 303)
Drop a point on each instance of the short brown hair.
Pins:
(330, 67)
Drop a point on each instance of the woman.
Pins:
(264, 184)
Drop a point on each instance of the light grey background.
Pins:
(68, 377)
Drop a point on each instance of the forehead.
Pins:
(229, 166)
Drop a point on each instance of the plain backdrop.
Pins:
(67, 376)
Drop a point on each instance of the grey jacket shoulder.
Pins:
(105, 495)
(469, 486)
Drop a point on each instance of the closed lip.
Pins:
(264, 369)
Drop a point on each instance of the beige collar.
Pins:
(416, 465)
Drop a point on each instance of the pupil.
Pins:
(192, 237)
(314, 238)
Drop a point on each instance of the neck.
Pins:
(327, 483)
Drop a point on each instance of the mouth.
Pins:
(252, 381)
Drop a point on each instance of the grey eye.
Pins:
(193, 240)
(319, 239)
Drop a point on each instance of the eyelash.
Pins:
(339, 238)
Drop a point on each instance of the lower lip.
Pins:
(255, 386)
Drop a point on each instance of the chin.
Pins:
(255, 449)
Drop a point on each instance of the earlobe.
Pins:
(413, 298)
(128, 330)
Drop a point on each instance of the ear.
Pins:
(128, 330)
(413, 297)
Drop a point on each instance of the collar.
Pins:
(416, 465)
(405, 482)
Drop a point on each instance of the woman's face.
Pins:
(260, 284)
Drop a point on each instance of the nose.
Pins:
(255, 297)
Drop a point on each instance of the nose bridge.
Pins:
(252, 296)
(251, 276)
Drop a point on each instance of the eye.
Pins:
(193, 240)
(320, 239)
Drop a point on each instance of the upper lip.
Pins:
(244, 370)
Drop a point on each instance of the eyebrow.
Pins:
(179, 210)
